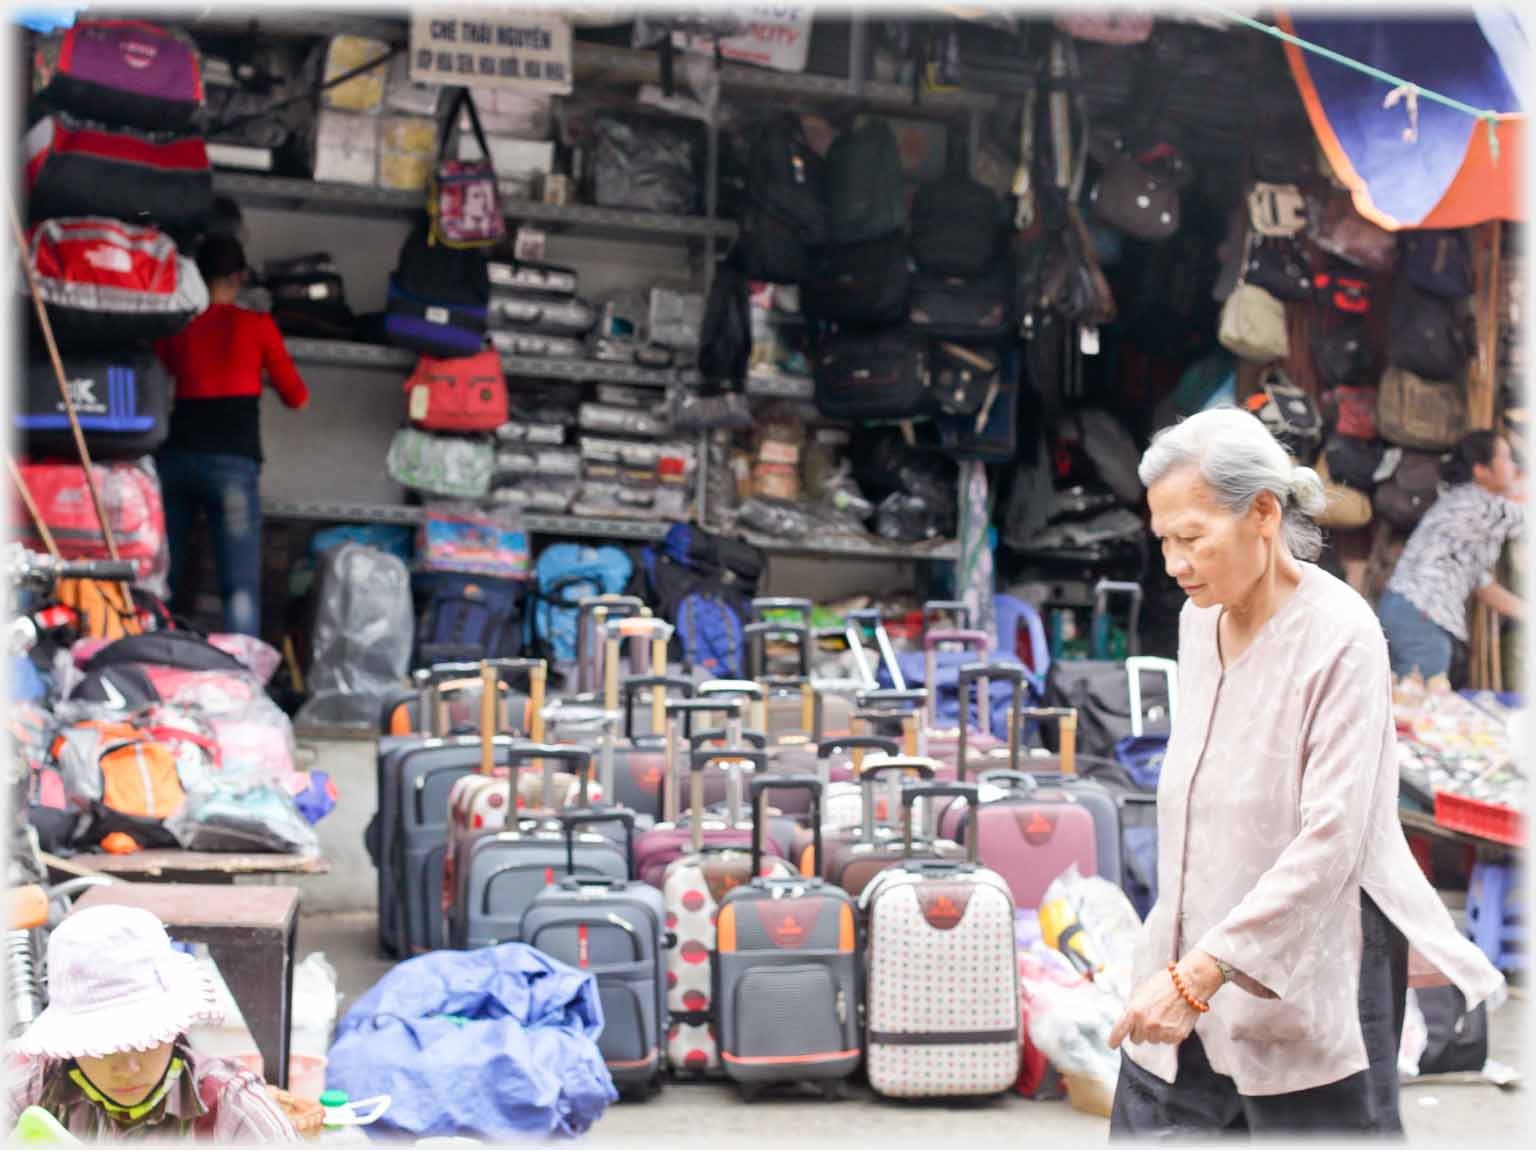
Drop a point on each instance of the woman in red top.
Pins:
(211, 460)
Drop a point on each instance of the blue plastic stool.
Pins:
(1494, 920)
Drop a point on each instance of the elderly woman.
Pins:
(1283, 870)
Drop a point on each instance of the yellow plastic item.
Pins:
(1061, 931)
(36, 1127)
(364, 93)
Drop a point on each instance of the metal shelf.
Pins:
(344, 353)
(853, 546)
(632, 529)
(358, 199)
(779, 387)
(630, 65)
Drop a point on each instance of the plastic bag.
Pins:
(259, 658)
(364, 627)
(647, 161)
(905, 519)
(233, 816)
(1070, 1017)
(1109, 921)
(774, 517)
(316, 1002)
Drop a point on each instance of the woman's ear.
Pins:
(1267, 514)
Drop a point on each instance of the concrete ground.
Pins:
(338, 919)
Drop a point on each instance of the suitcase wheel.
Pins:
(750, 1091)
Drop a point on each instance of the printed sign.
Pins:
(777, 37)
(493, 48)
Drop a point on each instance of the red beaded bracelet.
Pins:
(1178, 984)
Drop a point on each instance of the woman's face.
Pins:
(128, 1078)
(1215, 557)
(1499, 474)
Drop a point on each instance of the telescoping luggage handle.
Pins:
(683, 710)
(430, 682)
(1066, 724)
(907, 705)
(958, 611)
(756, 636)
(980, 641)
(570, 820)
(924, 769)
(872, 618)
(591, 614)
(546, 755)
(1102, 590)
(1137, 666)
(644, 628)
(663, 685)
(966, 791)
(491, 672)
(982, 675)
(697, 762)
(761, 606)
(760, 788)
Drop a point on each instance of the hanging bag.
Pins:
(462, 198)
(1253, 325)
(468, 393)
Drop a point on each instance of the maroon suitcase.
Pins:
(943, 743)
(855, 857)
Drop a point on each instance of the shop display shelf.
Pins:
(358, 199)
(779, 387)
(642, 530)
(345, 353)
(855, 547)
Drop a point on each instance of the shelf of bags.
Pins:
(345, 353)
(641, 530)
(634, 66)
(294, 23)
(853, 546)
(779, 387)
(360, 199)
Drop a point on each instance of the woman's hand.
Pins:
(1157, 1011)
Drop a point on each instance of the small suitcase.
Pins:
(497, 874)
(943, 743)
(786, 971)
(854, 858)
(615, 930)
(942, 976)
(692, 887)
(879, 375)
(122, 400)
(633, 769)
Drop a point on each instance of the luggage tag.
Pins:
(1088, 340)
(421, 401)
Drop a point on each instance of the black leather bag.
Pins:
(1436, 262)
(955, 226)
(879, 375)
(1279, 266)
(1342, 354)
(962, 307)
(1428, 337)
(785, 214)
(1410, 491)
(1353, 462)
(863, 283)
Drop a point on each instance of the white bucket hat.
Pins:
(116, 984)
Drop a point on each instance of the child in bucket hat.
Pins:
(109, 1057)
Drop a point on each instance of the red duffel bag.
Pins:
(129, 492)
(463, 394)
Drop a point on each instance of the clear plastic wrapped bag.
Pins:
(229, 815)
(774, 517)
(364, 627)
(905, 519)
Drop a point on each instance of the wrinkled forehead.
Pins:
(1179, 500)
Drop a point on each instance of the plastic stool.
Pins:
(1493, 915)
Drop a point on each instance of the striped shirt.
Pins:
(1452, 552)
(212, 1100)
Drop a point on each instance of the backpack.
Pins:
(1354, 462)
(725, 336)
(467, 612)
(179, 649)
(1341, 354)
(438, 298)
(1279, 266)
(102, 609)
(786, 212)
(1289, 414)
(1404, 496)
(1416, 412)
(124, 778)
(1436, 262)
(122, 72)
(1277, 209)
(955, 225)
(1253, 325)
(454, 467)
(122, 400)
(1343, 291)
(1428, 338)
(709, 630)
(563, 575)
(864, 184)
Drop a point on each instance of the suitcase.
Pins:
(854, 857)
(309, 297)
(616, 931)
(122, 72)
(1112, 700)
(879, 375)
(79, 168)
(122, 400)
(942, 978)
(107, 283)
(708, 863)
(962, 307)
(786, 971)
(498, 873)
(633, 769)
(591, 647)
(407, 711)
(943, 743)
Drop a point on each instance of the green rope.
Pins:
(1489, 117)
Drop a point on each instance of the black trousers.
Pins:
(1204, 1102)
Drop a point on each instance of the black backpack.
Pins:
(725, 338)
(1436, 262)
(864, 184)
(865, 283)
(1428, 338)
(1342, 354)
(1279, 266)
(786, 210)
(955, 226)
(1412, 488)
(1353, 462)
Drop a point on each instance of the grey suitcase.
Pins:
(786, 971)
(615, 930)
(498, 874)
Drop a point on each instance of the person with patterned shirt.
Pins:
(109, 1057)
(1450, 556)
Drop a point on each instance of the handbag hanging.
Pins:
(462, 198)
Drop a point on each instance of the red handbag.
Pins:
(465, 394)
(1356, 411)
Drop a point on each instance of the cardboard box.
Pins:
(346, 147)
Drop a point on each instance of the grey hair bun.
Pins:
(1307, 492)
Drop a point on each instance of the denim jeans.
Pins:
(228, 489)
(1414, 640)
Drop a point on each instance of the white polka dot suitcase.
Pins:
(941, 989)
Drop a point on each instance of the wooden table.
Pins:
(250, 932)
(188, 866)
